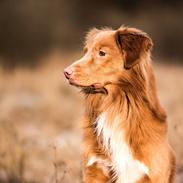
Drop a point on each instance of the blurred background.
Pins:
(40, 133)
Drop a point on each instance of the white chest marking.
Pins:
(127, 169)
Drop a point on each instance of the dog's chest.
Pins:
(127, 169)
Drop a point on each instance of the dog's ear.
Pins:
(133, 43)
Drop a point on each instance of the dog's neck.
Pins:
(131, 98)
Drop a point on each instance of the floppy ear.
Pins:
(133, 43)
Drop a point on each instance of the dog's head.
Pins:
(107, 55)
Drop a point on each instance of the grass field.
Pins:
(40, 134)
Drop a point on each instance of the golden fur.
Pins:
(117, 79)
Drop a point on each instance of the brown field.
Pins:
(40, 134)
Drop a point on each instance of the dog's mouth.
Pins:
(73, 83)
(93, 88)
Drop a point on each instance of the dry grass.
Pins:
(40, 136)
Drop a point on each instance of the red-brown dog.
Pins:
(125, 128)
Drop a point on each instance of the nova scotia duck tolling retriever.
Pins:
(124, 126)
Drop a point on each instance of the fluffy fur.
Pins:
(125, 128)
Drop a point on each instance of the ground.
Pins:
(40, 133)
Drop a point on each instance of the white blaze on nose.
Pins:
(85, 58)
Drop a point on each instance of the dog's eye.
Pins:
(102, 53)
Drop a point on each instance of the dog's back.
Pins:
(125, 128)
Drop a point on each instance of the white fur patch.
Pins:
(127, 169)
(91, 161)
(101, 163)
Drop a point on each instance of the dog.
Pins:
(124, 126)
